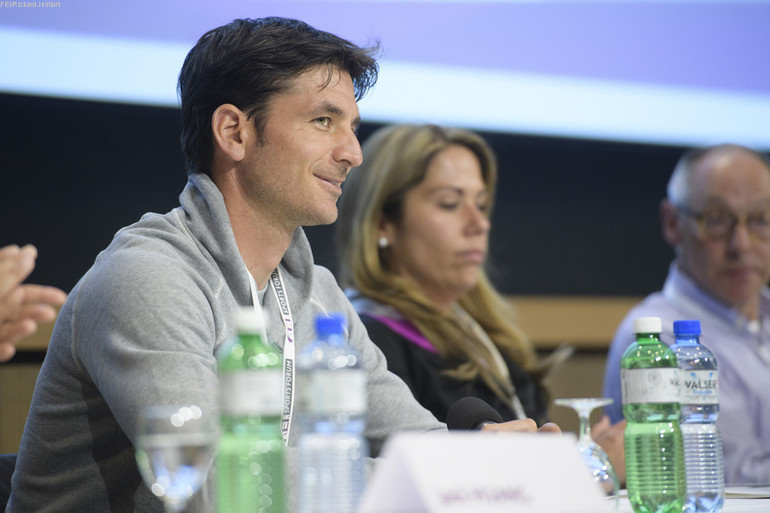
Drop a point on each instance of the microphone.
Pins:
(471, 413)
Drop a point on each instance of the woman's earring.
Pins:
(383, 242)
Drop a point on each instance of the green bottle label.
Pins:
(249, 392)
(651, 385)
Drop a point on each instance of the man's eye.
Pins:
(717, 218)
(448, 206)
(760, 218)
(325, 121)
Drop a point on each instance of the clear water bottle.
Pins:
(331, 409)
(699, 380)
(655, 475)
(250, 461)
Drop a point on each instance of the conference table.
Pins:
(742, 499)
(731, 506)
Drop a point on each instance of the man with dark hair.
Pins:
(717, 219)
(269, 110)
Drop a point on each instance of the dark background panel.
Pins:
(75, 172)
(571, 216)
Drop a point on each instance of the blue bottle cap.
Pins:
(331, 324)
(688, 327)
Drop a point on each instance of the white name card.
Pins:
(461, 472)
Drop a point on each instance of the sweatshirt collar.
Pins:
(209, 223)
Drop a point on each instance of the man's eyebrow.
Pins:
(714, 201)
(328, 108)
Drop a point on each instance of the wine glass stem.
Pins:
(585, 429)
(175, 507)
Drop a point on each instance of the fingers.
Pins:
(522, 426)
(550, 427)
(43, 294)
(6, 352)
(606, 434)
(20, 320)
(36, 312)
(513, 426)
(34, 302)
(610, 438)
(23, 324)
(15, 265)
(22, 306)
(600, 427)
(13, 331)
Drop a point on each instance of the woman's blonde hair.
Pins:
(396, 159)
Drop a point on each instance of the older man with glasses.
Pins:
(717, 218)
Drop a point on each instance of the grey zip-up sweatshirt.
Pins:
(143, 326)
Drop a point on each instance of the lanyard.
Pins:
(276, 283)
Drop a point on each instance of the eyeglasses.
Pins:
(719, 224)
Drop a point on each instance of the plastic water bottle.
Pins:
(331, 404)
(655, 475)
(699, 379)
(250, 462)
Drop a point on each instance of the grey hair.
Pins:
(678, 189)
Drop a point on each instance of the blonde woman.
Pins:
(413, 238)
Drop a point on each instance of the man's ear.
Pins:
(229, 126)
(669, 216)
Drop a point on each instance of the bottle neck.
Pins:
(648, 338)
(686, 340)
(333, 339)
